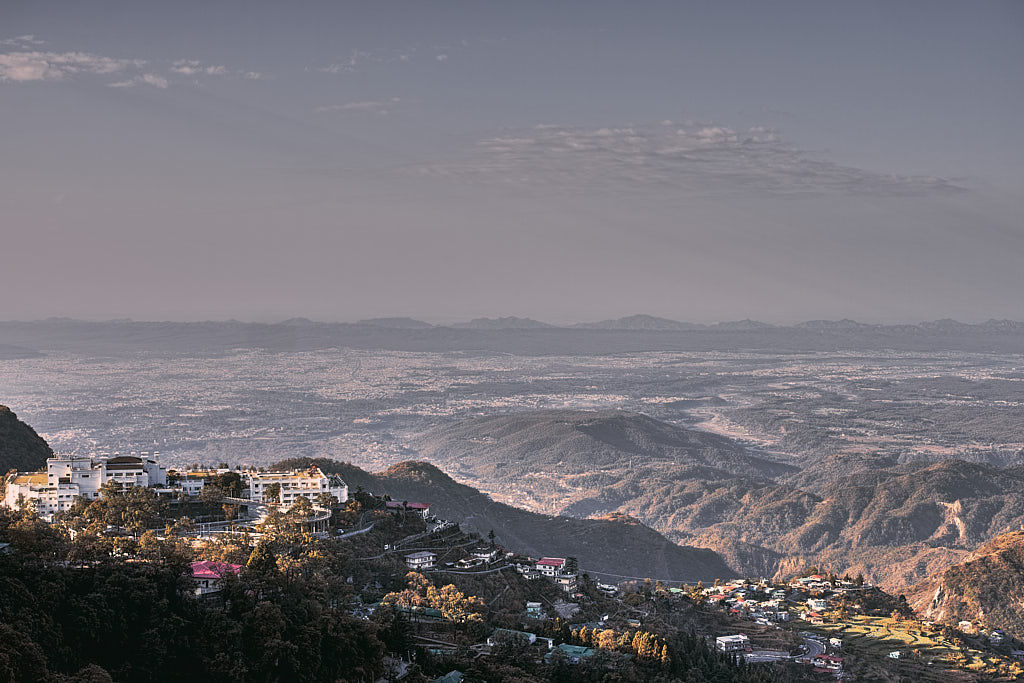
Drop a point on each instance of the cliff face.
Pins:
(987, 588)
(20, 447)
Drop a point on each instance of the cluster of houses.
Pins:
(70, 477)
(560, 570)
(563, 571)
(764, 602)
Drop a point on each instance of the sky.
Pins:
(565, 161)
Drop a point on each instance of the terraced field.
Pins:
(926, 656)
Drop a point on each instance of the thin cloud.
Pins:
(373, 106)
(349, 65)
(25, 64)
(682, 157)
(34, 65)
(155, 80)
(191, 67)
(22, 41)
(359, 60)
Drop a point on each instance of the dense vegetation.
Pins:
(123, 609)
(113, 605)
(20, 447)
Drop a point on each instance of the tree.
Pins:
(301, 509)
(262, 561)
(395, 631)
(272, 494)
(606, 639)
(490, 537)
(228, 483)
(326, 500)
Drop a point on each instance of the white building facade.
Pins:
(69, 476)
(295, 483)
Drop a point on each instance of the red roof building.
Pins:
(550, 566)
(208, 575)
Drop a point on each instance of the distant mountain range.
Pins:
(640, 322)
(616, 546)
(397, 323)
(509, 323)
(502, 335)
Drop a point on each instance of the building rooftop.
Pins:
(30, 478)
(576, 650)
(420, 555)
(124, 460)
(551, 561)
(205, 569)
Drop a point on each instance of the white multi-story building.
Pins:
(294, 483)
(551, 566)
(424, 559)
(734, 643)
(69, 476)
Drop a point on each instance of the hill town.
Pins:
(461, 604)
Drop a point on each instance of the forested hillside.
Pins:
(20, 447)
(620, 546)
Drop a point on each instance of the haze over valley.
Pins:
(754, 452)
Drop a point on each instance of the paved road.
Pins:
(357, 532)
(765, 656)
(814, 647)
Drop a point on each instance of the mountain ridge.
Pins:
(610, 547)
(986, 587)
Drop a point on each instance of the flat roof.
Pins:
(422, 554)
(30, 478)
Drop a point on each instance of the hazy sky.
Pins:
(561, 160)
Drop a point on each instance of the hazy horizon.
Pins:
(443, 321)
(699, 161)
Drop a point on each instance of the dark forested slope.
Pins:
(20, 447)
(604, 546)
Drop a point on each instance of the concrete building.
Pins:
(423, 559)
(294, 483)
(68, 477)
(734, 643)
(550, 566)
